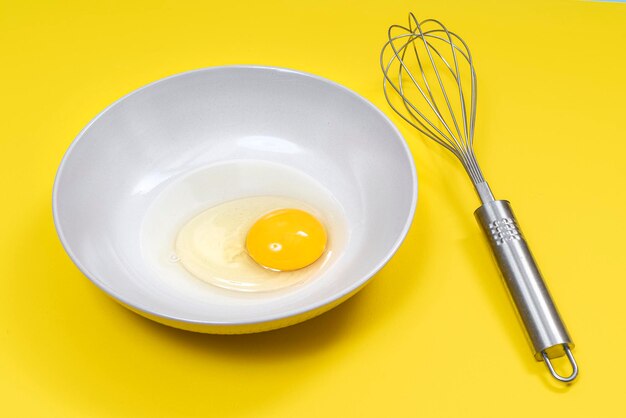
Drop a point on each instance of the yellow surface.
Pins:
(434, 334)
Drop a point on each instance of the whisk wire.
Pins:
(400, 89)
(412, 109)
(455, 73)
(456, 130)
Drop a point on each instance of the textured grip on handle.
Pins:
(544, 327)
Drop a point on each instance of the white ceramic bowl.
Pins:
(144, 144)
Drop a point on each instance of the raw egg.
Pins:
(194, 233)
(255, 244)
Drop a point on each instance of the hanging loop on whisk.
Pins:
(572, 362)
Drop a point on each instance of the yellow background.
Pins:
(433, 335)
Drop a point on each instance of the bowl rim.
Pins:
(137, 305)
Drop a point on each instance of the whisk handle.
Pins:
(544, 327)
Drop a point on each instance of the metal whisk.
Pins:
(431, 83)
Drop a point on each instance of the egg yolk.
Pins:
(286, 239)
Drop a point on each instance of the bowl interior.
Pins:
(144, 144)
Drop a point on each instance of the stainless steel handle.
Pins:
(545, 329)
